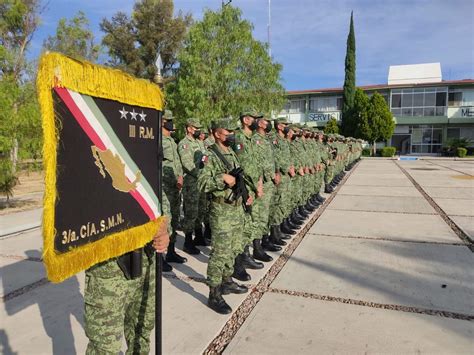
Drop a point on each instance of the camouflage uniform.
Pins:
(203, 213)
(283, 164)
(171, 171)
(191, 155)
(245, 151)
(261, 206)
(226, 218)
(115, 306)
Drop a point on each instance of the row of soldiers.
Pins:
(250, 183)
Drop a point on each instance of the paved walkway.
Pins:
(383, 267)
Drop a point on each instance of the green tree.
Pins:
(74, 38)
(133, 42)
(348, 119)
(20, 132)
(360, 112)
(224, 69)
(331, 126)
(378, 124)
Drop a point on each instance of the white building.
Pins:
(427, 110)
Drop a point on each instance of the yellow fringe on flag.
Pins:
(94, 80)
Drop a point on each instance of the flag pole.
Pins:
(159, 257)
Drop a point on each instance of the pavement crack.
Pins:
(19, 257)
(378, 211)
(22, 290)
(447, 167)
(454, 227)
(386, 239)
(232, 326)
(393, 307)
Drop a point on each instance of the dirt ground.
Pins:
(27, 194)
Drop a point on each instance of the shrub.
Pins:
(388, 151)
(461, 152)
(455, 143)
(366, 152)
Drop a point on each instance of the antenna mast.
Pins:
(269, 27)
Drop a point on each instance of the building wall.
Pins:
(427, 116)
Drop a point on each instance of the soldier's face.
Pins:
(221, 134)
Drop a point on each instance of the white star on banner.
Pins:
(123, 113)
(142, 116)
(134, 115)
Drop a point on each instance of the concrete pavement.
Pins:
(380, 271)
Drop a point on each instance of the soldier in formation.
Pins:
(252, 183)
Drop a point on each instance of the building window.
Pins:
(453, 133)
(461, 132)
(325, 103)
(455, 99)
(426, 139)
(294, 106)
(419, 102)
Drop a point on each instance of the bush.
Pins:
(366, 152)
(455, 143)
(388, 151)
(461, 152)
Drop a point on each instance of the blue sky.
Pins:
(309, 36)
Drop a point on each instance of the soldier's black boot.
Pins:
(268, 245)
(166, 267)
(275, 236)
(239, 270)
(189, 246)
(320, 198)
(311, 205)
(296, 218)
(230, 286)
(173, 257)
(328, 189)
(199, 239)
(248, 261)
(303, 212)
(281, 235)
(259, 253)
(216, 302)
(286, 229)
(207, 232)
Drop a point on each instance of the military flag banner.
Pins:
(100, 154)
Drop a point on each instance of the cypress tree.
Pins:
(349, 83)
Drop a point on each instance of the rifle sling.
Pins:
(226, 163)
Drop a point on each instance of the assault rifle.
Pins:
(239, 189)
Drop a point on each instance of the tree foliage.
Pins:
(20, 124)
(133, 42)
(331, 127)
(378, 123)
(74, 38)
(18, 21)
(360, 111)
(348, 96)
(224, 69)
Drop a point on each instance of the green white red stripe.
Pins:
(93, 122)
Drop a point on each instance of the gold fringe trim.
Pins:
(58, 70)
(61, 266)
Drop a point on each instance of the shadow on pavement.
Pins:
(56, 303)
